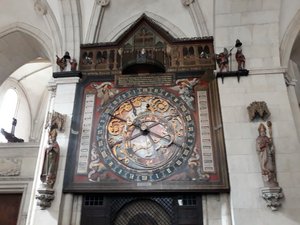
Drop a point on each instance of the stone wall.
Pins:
(17, 171)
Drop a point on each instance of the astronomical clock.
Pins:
(147, 117)
(146, 134)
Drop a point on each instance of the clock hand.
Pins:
(164, 137)
(143, 129)
(129, 139)
(119, 118)
(133, 108)
(155, 148)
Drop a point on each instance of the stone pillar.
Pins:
(63, 103)
(225, 209)
(66, 216)
(294, 103)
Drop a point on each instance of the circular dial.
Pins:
(145, 134)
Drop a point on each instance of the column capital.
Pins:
(290, 81)
(103, 3)
(187, 2)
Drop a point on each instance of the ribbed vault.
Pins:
(16, 49)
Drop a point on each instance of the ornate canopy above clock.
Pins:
(147, 116)
(146, 47)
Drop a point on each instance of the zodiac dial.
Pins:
(146, 134)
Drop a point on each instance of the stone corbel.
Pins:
(271, 192)
(45, 197)
(272, 196)
(258, 110)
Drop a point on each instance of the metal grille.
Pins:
(93, 200)
(188, 200)
(148, 211)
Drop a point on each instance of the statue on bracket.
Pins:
(50, 161)
(65, 63)
(223, 60)
(266, 155)
(239, 56)
(271, 192)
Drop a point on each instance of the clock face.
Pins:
(146, 134)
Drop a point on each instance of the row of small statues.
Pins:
(66, 64)
(223, 58)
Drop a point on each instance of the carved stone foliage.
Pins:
(10, 167)
(258, 110)
(272, 196)
(45, 197)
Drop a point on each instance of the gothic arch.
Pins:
(167, 25)
(37, 44)
(289, 39)
(41, 37)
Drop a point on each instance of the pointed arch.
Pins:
(35, 44)
(161, 21)
(35, 33)
(289, 39)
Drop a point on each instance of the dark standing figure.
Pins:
(222, 60)
(239, 56)
(63, 62)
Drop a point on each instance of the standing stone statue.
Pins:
(266, 154)
(51, 159)
(48, 175)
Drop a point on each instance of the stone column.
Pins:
(62, 103)
(66, 216)
(291, 83)
(225, 209)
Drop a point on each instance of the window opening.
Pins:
(8, 111)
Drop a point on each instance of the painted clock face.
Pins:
(146, 134)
